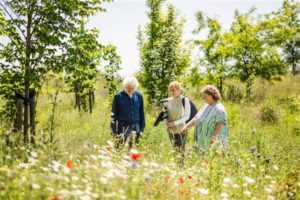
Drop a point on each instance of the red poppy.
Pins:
(181, 180)
(190, 177)
(54, 198)
(135, 156)
(70, 164)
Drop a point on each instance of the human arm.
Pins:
(219, 126)
(142, 115)
(221, 120)
(188, 125)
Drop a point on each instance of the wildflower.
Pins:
(268, 190)
(55, 166)
(270, 197)
(34, 186)
(267, 160)
(253, 132)
(253, 149)
(54, 198)
(226, 180)
(148, 177)
(69, 164)
(203, 191)
(249, 180)
(23, 165)
(181, 180)
(235, 185)
(133, 164)
(33, 154)
(258, 155)
(238, 163)
(224, 195)
(247, 193)
(134, 154)
(252, 165)
(190, 177)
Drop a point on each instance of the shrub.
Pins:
(291, 103)
(234, 93)
(269, 114)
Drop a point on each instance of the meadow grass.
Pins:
(262, 160)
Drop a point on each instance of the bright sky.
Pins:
(120, 23)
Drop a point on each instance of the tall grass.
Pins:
(261, 162)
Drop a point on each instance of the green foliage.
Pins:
(250, 54)
(269, 114)
(283, 30)
(111, 68)
(37, 33)
(215, 53)
(291, 103)
(261, 160)
(234, 93)
(163, 59)
(83, 54)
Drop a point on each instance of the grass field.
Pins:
(262, 160)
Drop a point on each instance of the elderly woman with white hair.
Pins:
(127, 113)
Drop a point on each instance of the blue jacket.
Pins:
(128, 110)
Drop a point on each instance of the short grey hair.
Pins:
(132, 81)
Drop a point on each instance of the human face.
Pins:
(129, 89)
(174, 92)
(208, 98)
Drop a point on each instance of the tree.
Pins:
(215, 52)
(82, 57)
(162, 57)
(250, 55)
(111, 67)
(37, 31)
(283, 28)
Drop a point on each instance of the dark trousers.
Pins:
(127, 131)
(178, 142)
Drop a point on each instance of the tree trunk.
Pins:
(32, 115)
(18, 124)
(90, 102)
(221, 85)
(26, 110)
(27, 73)
(83, 100)
(76, 99)
(77, 96)
(248, 89)
(294, 72)
(93, 97)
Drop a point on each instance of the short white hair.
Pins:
(132, 81)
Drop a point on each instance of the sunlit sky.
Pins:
(119, 24)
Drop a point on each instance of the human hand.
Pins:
(183, 130)
(170, 124)
(213, 140)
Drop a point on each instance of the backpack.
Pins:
(193, 109)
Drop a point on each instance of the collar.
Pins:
(128, 94)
